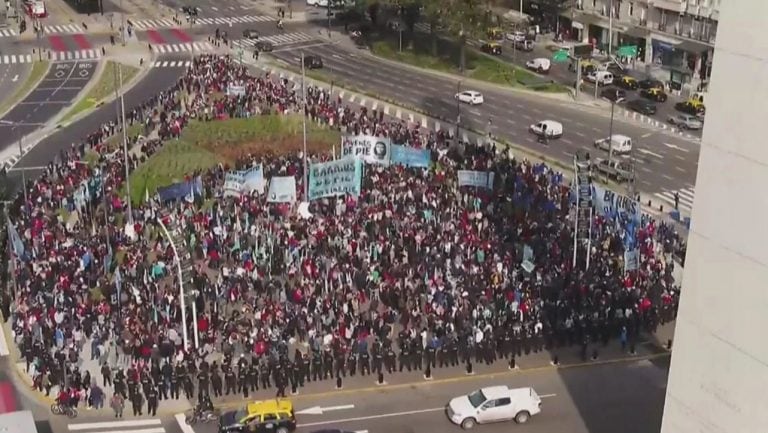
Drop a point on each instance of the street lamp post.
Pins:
(125, 146)
(182, 299)
(458, 111)
(610, 133)
(304, 129)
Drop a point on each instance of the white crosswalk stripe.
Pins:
(172, 64)
(63, 28)
(6, 33)
(205, 21)
(276, 40)
(686, 198)
(182, 48)
(55, 56)
(152, 425)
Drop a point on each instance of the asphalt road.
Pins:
(665, 162)
(157, 80)
(627, 398)
(11, 77)
(87, 423)
(57, 90)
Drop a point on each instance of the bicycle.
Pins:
(69, 411)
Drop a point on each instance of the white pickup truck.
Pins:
(494, 404)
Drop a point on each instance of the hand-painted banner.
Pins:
(479, 179)
(244, 181)
(233, 184)
(332, 178)
(631, 260)
(254, 179)
(410, 156)
(282, 189)
(369, 148)
(180, 190)
(610, 204)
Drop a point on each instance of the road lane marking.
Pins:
(580, 134)
(319, 410)
(547, 395)
(181, 419)
(648, 152)
(370, 417)
(673, 146)
(646, 135)
(666, 176)
(475, 112)
(109, 424)
(566, 141)
(681, 169)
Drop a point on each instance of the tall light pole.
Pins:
(304, 128)
(610, 133)
(458, 111)
(182, 299)
(125, 146)
(610, 28)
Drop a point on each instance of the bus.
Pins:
(36, 8)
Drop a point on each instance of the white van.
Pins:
(540, 65)
(621, 144)
(602, 78)
(494, 404)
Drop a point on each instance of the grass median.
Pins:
(103, 89)
(202, 145)
(479, 66)
(39, 69)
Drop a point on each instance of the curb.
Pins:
(32, 89)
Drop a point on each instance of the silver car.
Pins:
(686, 121)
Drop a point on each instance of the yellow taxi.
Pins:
(493, 48)
(587, 66)
(654, 94)
(692, 106)
(496, 34)
(267, 416)
(628, 83)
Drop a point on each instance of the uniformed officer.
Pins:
(317, 366)
(405, 355)
(327, 364)
(264, 371)
(280, 383)
(167, 372)
(378, 356)
(137, 401)
(253, 375)
(216, 384)
(301, 363)
(453, 351)
(189, 387)
(365, 360)
(229, 380)
(119, 383)
(390, 359)
(203, 382)
(352, 362)
(242, 378)
(152, 402)
(417, 354)
(133, 385)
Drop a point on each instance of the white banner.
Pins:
(282, 189)
(478, 179)
(233, 184)
(371, 149)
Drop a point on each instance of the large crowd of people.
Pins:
(414, 272)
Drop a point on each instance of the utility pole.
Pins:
(23, 172)
(610, 28)
(125, 147)
(458, 112)
(610, 133)
(304, 128)
(329, 18)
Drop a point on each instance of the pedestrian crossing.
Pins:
(54, 56)
(276, 40)
(63, 28)
(182, 48)
(172, 64)
(7, 33)
(151, 425)
(149, 24)
(686, 198)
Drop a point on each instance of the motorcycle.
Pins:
(204, 416)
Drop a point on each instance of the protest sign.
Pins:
(332, 178)
(479, 179)
(282, 189)
(610, 204)
(631, 260)
(410, 156)
(371, 149)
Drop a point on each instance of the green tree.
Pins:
(464, 19)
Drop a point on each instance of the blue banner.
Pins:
(282, 189)
(13, 235)
(180, 190)
(410, 156)
(339, 177)
(612, 205)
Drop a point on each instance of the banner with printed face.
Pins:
(332, 178)
(371, 149)
(610, 204)
(479, 179)
(282, 189)
(410, 156)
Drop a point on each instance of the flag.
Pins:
(118, 284)
(146, 194)
(16, 244)
(190, 198)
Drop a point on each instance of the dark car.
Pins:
(650, 83)
(264, 46)
(492, 48)
(251, 34)
(313, 62)
(613, 94)
(642, 106)
(626, 82)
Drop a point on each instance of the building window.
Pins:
(631, 9)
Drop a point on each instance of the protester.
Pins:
(414, 271)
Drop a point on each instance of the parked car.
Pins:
(493, 48)
(614, 95)
(651, 83)
(471, 97)
(654, 94)
(526, 45)
(619, 170)
(516, 36)
(494, 404)
(691, 106)
(251, 34)
(642, 106)
(686, 121)
(602, 78)
(550, 128)
(540, 65)
(627, 82)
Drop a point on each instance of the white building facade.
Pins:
(718, 380)
(675, 38)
